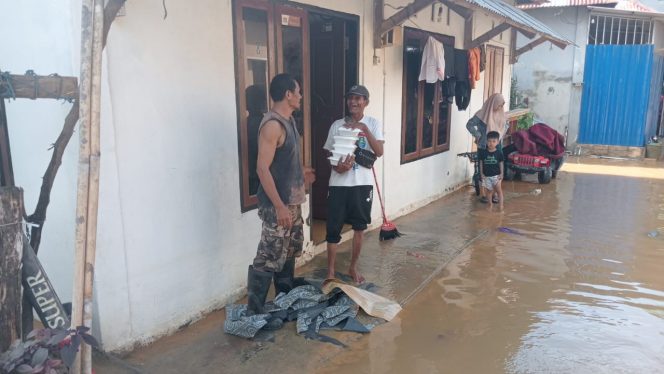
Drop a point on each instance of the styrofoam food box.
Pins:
(343, 148)
(344, 131)
(345, 140)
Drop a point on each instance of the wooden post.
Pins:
(378, 22)
(513, 37)
(11, 251)
(6, 171)
(92, 26)
(467, 31)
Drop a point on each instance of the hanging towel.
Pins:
(461, 65)
(462, 86)
(433, 62)
(474, 66)
(449, 60)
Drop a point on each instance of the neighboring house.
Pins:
(606, 90)
(181, 97)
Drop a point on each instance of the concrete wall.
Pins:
(659, 37)
(173, 243)
(551, 78)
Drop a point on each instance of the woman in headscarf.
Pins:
(491, 117)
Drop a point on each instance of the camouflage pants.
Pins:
(278, 243)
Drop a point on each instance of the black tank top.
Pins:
(286, 168)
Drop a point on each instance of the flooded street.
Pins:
(569, 280)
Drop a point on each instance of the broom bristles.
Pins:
(388, 231)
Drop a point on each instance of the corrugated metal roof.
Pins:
(618, 4)
(527, 21)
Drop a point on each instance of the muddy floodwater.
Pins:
(566, 280)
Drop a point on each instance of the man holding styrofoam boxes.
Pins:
(351, 185)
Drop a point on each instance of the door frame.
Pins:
(248, 202)
(346, 17)
(286, 9)
(275, 65)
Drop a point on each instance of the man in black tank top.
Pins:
(281, 191)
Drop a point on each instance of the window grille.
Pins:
(619, 30)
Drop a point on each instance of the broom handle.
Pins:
(380, 198)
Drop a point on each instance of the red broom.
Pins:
(388, 230)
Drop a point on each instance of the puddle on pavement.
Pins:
(575, 286)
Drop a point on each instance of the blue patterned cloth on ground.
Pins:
(312, 309)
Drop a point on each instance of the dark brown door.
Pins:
(327, 35)
(493, 76)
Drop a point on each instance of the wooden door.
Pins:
(327, 94)
(493, 75)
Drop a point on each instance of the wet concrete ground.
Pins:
(576, 285)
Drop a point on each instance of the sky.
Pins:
(655, 4)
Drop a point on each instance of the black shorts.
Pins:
(351, 205)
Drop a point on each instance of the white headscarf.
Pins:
(493, 114)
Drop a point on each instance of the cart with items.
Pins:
(540, 149)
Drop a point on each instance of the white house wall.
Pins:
(173, 243)
(176, 216)
(414, 184)
(658, 38)
(551, 78)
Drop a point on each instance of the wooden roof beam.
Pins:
(458, 9)
(110, 12)
(526, 33)
(556, 43)
(488, 35)
(381, 26)
(32, 86)
(529, 46)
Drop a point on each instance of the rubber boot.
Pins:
(285, 281)
(258, 284)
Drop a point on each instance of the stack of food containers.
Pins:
(344, 144)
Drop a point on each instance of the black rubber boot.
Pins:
(285, 281)
(258, 284)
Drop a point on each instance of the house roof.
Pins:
(513, 18)
(502, 9)
(633, 5)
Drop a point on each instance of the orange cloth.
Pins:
(474, 66)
